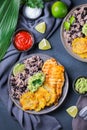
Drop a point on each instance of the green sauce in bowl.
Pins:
(81, 85)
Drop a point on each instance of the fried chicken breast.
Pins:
(54, 75)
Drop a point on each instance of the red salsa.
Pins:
(23, 40)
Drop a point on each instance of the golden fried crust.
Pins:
(54, 75)
(48, 64)
(53, 95)
(83, 55)
(43, 97)
(35, 101)
(28, 101)
(79, 45)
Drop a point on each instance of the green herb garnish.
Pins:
(36, 81)
(34, 3)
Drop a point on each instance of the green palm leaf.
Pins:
(9, 10)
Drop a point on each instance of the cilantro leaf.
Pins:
(34, 3)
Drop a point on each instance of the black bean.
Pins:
(82, 15)
(78, 14)
(27, 71)
(78, 9)
(85, 8)
(73, 32)
(74, 26)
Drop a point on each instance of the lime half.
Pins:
(18, 68)
(41, 27)
(72, 111)
(84, 29)
(44, 45)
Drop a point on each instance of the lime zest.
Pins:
(41, 27)
(44, 44)
(18, 68)
(72, 111)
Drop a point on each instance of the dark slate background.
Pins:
(73, 67)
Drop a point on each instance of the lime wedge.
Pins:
(72, 20)
(66, 25)
(41, 27)
(84, 29)
(44, 44)
(18, 68)
(72, 111)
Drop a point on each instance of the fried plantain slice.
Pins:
(43, 96)
(79, 45)
(28, 101)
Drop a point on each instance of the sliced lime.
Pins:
(84, 29)
(66, 25)
(72, 20)
(72, 111)
(18, 68)
(44, 44)
(41, 27)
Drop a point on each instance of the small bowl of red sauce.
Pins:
(23, 40)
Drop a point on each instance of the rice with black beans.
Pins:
(75, 31)
(20, 81)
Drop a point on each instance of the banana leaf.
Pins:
(9, 10)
